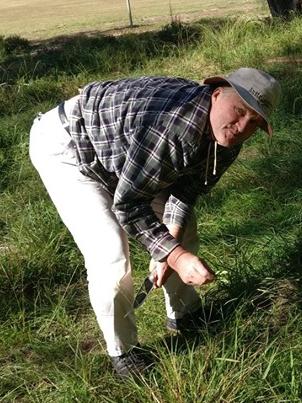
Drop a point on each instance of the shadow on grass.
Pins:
(33, 73)
(30, 289)
(95, 52)
(92, 53)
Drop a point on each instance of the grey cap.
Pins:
(259, 90)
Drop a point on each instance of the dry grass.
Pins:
(36, 19)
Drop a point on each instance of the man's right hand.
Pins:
(190, 268)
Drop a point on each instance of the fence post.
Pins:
(284, 8)
(130, 13)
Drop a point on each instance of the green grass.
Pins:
(250, 230)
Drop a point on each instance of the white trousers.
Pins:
(85, 208)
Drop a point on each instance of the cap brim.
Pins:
(246, 97)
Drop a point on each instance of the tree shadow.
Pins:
(97, 52)
(30, 287)
(72, 54)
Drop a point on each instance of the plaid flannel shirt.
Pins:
(140, 136)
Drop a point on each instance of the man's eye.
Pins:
(239, 111)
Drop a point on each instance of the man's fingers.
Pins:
(166, 273)
(158, 282)
(208, 268)
(161, 272)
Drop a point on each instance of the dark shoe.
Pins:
(133, 363)
(191, 323)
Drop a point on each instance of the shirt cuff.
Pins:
(176, 212)
(162, 247)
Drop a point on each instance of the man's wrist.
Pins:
(176, 231)
(174, 256)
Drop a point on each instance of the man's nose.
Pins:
(243, 124)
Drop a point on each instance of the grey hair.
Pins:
(228, 90)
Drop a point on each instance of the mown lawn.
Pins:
(37, 19)
(250, 231)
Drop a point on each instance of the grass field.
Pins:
(41, 19)
(250, 228)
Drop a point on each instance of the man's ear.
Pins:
(216, 93)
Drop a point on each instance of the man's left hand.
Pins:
(161, 272)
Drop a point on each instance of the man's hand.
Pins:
(160, 270)
(161, 273)
(190, 268)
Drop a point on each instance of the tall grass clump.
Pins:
(249, 347)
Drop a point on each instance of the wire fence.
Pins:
(32, 18)
(144, 11)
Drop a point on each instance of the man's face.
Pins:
(231, 119)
